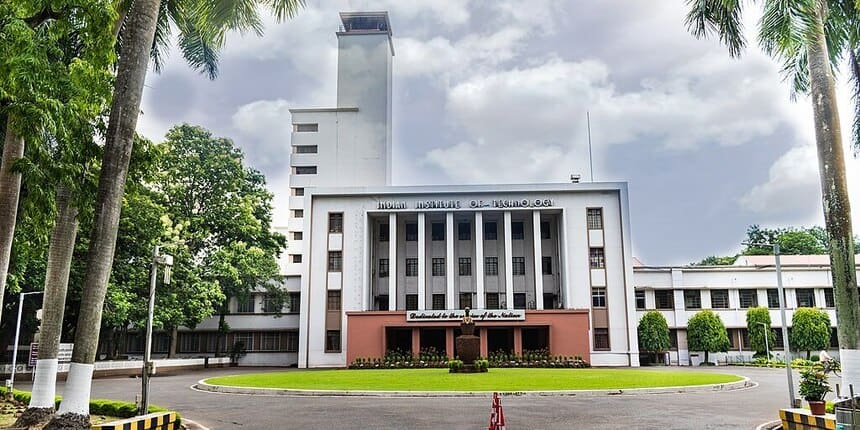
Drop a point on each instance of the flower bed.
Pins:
(430, 358)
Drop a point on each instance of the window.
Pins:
(664, 299)
(805, 297)
(829, 302)
(546, 265)
(692, 299)
(189, 342)
(720, 299)
(773, 298)
(596, 259)
(517, 230)
(292, 342)
(271, 305)
(383, 267)
(490, 231)
(297, 235)
(519, 300)
(411, 302)
(160, 343)
(294, 305)
(745, 338)
(298, 192)
(438, 302)
(595, 218)
(491, 266)
(640, 299)
(492, 300)
(730, 333)
(411, 267)
(437, 231)
(383, 232)
(245, 305)
(749, 298)
(465, 266)
(465, 300)
(298, 213)
(333, 300)
(411, 232)
(464, 231)
(601, 338)
(295, 258)
(438, 266)
(335, 223)
(382, 302)
(245, 338)
(673, 340)
(518, 264)
(332, 341)
(335, 261)
(544, 230)
(598, 297)
(305, 170)
(306, 128)
(834, 339)
(305, 149)
(270, 341)
(778, 342)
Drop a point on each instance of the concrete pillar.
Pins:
(449, 342)
(479, 265)
(538, 260)
(392, 261)
(416, 341)
(518, 341)
(509, 261)
(484, 348)
(449, 260)
(422, 263)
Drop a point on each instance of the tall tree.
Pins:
(810, 330)
(810, 37)
(653, 333)
(758, 326)
(707, 333)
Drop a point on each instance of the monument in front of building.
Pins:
(468, 346)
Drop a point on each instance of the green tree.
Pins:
(810, 330)
(706, 333)
(758, 324)
(714, 260)
(810, 38)
(653, 333)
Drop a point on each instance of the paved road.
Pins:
(740, 409)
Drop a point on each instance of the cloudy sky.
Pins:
(497, 92)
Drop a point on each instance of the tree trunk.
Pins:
(222, 328)
(128, 88)
(174, 337)
(60, 254)
(10, 189)
(837, 209)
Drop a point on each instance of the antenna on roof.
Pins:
(588, 128)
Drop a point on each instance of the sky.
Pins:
(497, 92)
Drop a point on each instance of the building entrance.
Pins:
(433, 340)
(398, 339)
(536, 338)
(500, 340)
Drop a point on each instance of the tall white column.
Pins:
(422, 264)
(479, 259)
(509, 263)
(392, 261)
(449, 260)
(538, 260)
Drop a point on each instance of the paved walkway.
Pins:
(739, 409)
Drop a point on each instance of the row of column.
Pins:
(450, 296)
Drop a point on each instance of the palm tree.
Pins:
(810, 37)
(10, 187)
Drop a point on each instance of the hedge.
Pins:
(111, 408)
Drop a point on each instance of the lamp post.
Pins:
(166, 261)
(766, 345)
(11, 383)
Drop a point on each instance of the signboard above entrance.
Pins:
(457, 315)
(469, 204)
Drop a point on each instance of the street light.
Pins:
(11, 382)
(766, 346)
(166, 261)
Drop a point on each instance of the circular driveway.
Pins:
(736, 409)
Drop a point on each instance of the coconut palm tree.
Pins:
(809, 37)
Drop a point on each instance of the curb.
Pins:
(224, 389)
(769, 425)
(192, 425)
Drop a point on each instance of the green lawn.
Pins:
(494, 380)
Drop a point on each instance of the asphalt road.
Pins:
(739, 409)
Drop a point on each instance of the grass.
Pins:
(9, 412)
(495, 380)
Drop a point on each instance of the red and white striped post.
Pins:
(497, 414)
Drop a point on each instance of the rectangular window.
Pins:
(664, 299)
(518, 264)
(596, 259)
(305, 149)
(292, 341)
(298, 213)
(333, 302)
(438, 302)
(298, 192)
(305, 170)
(411, 302)
(519, 300)
(492, 300)
(465, 266)
(595, 218)
(465, 300)
(749, 298)
(491, 266)
(189, 342)
(335, 261)
(778, 342)
(601, 339)
(245, 305)
(271, 305)
(834, 339)
(383, 267)
(720, 299)
(332, 341)
(673, 340)
(438, 267)
(295, 303)
(245, 338)
(295, 258)
(383, 232)
(411, 267)
(437, 231)
(464, 231)
(335, 223)
(773, 298)
(692, 299)
(517, 230)
(306, 128)
(546, 265)
(544, 230)
(598, 297)
(382, 302)
(805, 297)
(490, 231)
(745, 338)
(270, 341)
(640, 299)
(160, 343)
(829, 302)
(411, 232)
(297, 235)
